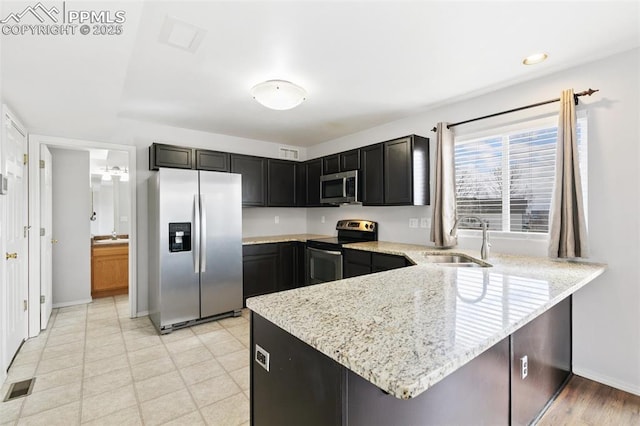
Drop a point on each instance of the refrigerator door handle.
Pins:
(203, 234)
(196, 234)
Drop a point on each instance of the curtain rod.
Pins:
(575, 99)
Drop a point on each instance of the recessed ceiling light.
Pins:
(536, 58)
(278, 94)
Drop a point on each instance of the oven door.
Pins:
(323, 265)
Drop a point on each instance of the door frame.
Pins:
(35, 141)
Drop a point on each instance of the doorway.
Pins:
(37, 142)
(110, 222)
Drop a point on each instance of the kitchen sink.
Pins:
(454, 260)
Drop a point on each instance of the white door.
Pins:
(14, 148)
(46, 235)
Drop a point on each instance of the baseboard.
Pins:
(606, 380)
(73, 303)
(142, 314)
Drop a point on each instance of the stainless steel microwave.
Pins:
(339, 188)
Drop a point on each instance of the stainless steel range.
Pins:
(324, 255)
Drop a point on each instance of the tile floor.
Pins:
(95, 365)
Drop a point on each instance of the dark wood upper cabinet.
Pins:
(398, 177)
(331, 164)
(350, 160)
(342, 162)
(281, 183)
(371, 175)
(314, 171)
(301, 185)
(392, 173)
(177, 157)
(212, 160)
(395, 173)
(254, 178)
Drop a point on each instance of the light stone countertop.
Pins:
(406, 329)
(110, 242)
(281, 238)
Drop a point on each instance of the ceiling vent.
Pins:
(289, 153)
(180, 34)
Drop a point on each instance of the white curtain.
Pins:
(568, 228)
(444, 206)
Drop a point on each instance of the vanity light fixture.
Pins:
(536, 58)
(278, 94)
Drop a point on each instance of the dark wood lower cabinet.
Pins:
(303, 386)
(360, 262)
(260, 269)
(546, 342)
(385, 262)
(272, 267)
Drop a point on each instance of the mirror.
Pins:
(109, 192)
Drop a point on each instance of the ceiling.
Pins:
(362, 63)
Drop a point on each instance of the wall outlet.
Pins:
(524, 367)
(262, 357)
(276, 219)
(425, 222)
(322, 219)
(413, 222)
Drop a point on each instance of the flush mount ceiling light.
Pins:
(536, 58)
(278, 94)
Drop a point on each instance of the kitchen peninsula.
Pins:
(427, 344)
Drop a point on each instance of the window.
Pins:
(507, 177)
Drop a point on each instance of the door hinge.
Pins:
(42, 164)
(26, 304)
(25, 158)
(42, 298)
(25, 231)
(42, 232)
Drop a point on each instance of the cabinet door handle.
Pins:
(11, 256)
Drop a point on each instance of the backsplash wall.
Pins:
(260, 221)
(393, 222)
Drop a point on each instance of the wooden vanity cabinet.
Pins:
(109, 269)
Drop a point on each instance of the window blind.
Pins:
(507, 179)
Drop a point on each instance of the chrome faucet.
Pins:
(484, 250)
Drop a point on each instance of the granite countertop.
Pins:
(406, 329)
(281, 238)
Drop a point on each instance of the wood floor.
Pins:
(585, 402)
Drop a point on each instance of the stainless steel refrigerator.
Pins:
(195, 247)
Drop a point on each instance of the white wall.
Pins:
(393, 222)
(607, 312)
(121, 216)
(260, 221)
(71, 227)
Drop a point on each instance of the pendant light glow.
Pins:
(278, 94)
(536, 58)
